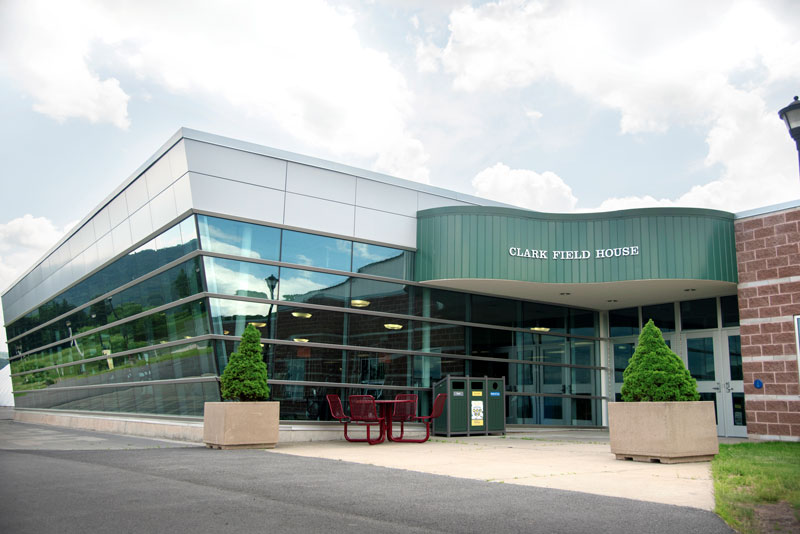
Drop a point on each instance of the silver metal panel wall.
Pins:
(386, 197)
(320, 183)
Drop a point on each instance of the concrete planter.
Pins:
(669, 432)
(241, 425)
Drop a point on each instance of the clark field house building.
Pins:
(361, 283)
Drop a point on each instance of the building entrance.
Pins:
(714, 359)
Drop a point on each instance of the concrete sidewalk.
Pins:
(574, 460)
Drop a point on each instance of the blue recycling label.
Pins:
(494, 393)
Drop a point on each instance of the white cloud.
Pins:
(697, 64)
(300, 65)
(44, 47)
(533, 114)
(23, 241)
(524, 188)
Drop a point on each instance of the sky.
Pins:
(556, 106)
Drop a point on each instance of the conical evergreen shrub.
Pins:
(655, 373)
(245, 376)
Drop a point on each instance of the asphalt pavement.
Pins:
(63, 480)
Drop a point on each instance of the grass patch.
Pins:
(749, 477)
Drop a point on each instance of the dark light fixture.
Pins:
(791, 116)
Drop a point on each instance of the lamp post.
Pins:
(272, 282)
(791, 116)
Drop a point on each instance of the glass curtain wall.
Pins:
(132, 337)
(338, 316)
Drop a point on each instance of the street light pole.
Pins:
(272, 282)
(791, 116)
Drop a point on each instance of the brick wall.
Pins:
(768, 256)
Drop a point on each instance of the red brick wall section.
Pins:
(768, 257)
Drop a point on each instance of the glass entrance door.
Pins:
(554, 380)
(714, 360)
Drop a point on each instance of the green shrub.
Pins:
(655, 373)
(245, 376)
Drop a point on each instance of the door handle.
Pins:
(728, 387)
(717, 387)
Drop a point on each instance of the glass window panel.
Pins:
(240, 278)
(544, 317)
(310, 364)
(699, 314)
(440, 304)
(582, 322)
(700, 354)
(383, 332)
(380, 261)
(735, 355)
(379, 296)
(491, 369)
(304, 325)
(730, 310)
(316, 250)
(739, 414)
(582, 352)
(494, 311)
(297, 285)
(379, 369)
(492, 343)
(239, 238)
(622, 355)
(624, 322)
(435, 337)
(231, 317)
(663, 315)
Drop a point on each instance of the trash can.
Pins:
(475, 406)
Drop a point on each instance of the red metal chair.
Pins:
(436, 411)
(335, 404)
(404, 412)
(363, 411)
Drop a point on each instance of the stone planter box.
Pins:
(241, 425)
(666, 432)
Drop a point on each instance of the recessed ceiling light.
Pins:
(300, 339)
(392, 326)
(226, 332)
(359, 303)
(301, 315)
(259, 325)
(540, 329)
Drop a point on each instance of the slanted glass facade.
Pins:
(151, 332)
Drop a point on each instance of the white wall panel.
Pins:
(386, 227)
(235, 164)
(121, 236)
(320, 215)
(386, 197)
(91, 259)
(158, 177)
(136, 194)
(321, 183)
(182, 190)
(177, 160)
(101, 222)
(162, 208)
(237, 199)
(141, 224)
(117, 210)
(428, 201)
(105, 249)
(81, 239)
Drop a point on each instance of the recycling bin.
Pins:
(475, 406)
